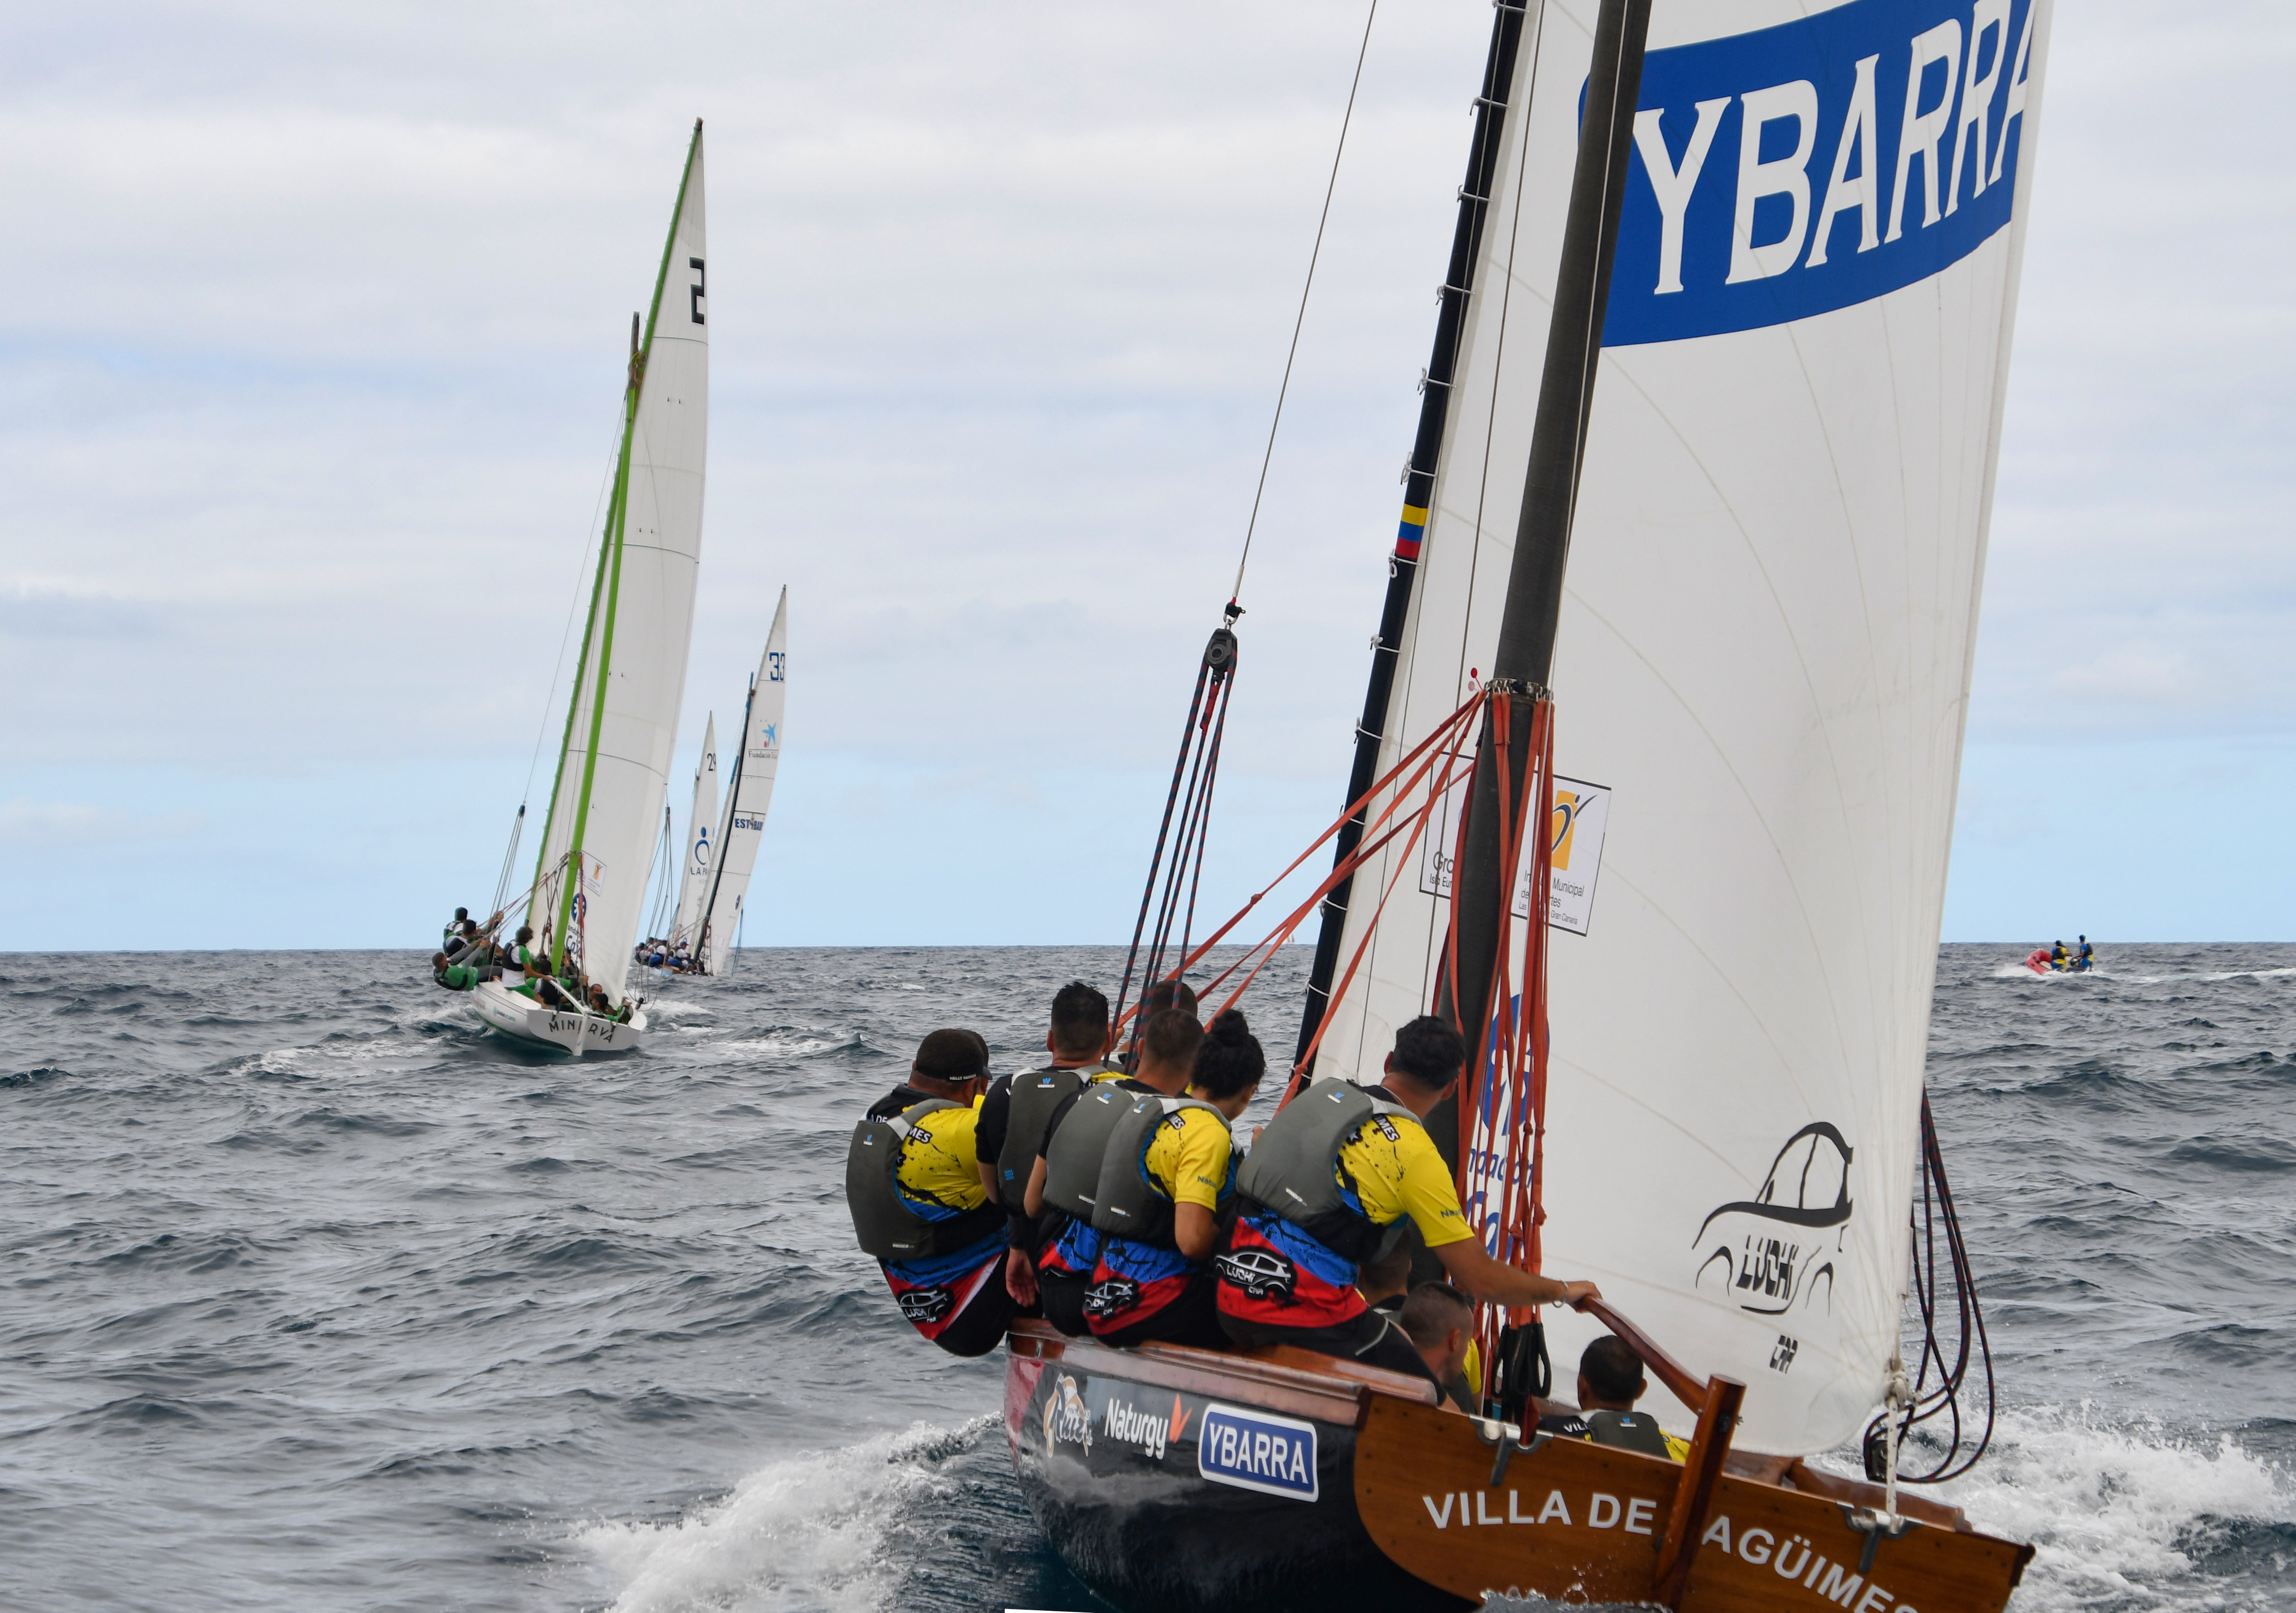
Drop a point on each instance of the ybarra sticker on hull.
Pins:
(1797, 170)
(1254, 1450)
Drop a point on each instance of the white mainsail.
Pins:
(702, 840)
(614, 772)
(1763, 659)
(746, 802)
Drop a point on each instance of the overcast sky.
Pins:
(315, 320)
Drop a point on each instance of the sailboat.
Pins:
(692, 883)
(721, 902)
(1669, 692)
(591, 880)
(723, 852)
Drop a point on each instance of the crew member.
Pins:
(1056, 1248)
(2087, 957)
(1162, 995)
(1016, 1117)
(1330, 1177)
(1610, 1381)
(914, 1185)
(453, 976)
(2057, 955)
(1170, 1173)
(1439, 1321)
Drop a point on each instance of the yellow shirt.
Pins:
(1187, 1157)
(1392, 1166)
(940, 1160)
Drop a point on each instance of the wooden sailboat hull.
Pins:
(1569, 1520)
(1134, 1465)
(563, 1030)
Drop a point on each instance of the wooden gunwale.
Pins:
(1279, 1378)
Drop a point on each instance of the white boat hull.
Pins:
(569, 1030)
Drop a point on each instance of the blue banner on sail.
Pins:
(1805, 168)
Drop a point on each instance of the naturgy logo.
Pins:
(1129, 1425)
(1797, 170)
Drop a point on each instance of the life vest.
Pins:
(1127, 1202)
(1293, 1170)
(1036, 1095)
(1074, 1154)
(1627, 1432)
(458, 977)
(883, 1223)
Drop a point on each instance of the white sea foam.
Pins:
(810, 1532)
(673, 1009)
(778, 1045)
(2108, 1505)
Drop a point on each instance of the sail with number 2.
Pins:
(1762, 659)
(588, 896)
(614, 771)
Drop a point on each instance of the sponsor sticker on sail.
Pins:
(1254, 1450)
(1581, 817)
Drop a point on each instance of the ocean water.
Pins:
(314, 1296)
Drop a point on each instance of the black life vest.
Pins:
(1628, 1431)
(1293, 1168)
(1073, 1154)
(883, 1223)
(1035, 1093)
(1127, 1202)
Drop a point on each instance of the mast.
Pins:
(1524, 658)
(1419, 484)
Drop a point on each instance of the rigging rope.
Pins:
(1434, 766)
(510, 857)
(565, 635)
(1198, 763)
(1331, 186)
(1935, 1215)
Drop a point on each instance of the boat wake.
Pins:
(2127, 1517)
(837, 1530)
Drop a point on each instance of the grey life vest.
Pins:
(1127, 1202)
(1036, 1095)
(882, 1221)
(1073, 1154)
(1628, 1431)
(1293, 1168)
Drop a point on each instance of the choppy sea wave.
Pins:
(315, 1297)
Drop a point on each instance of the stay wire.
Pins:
(1163, 831)
(573, 608)
(1331, 186)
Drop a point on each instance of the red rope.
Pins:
(1418, 764)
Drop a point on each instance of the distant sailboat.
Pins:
(700, 845)
(719, 909)
(590, 883)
